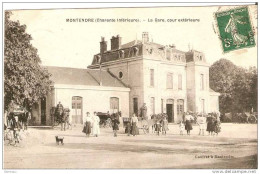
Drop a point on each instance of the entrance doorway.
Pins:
(169, 110)
(76, 110)
(43, 111)
(136, 106)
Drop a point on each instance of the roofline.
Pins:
(91, 87)
(130, 59)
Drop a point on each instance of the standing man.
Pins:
(59, 109)
(144, 112)
(28, 117)
(63, 121)
(115, 123)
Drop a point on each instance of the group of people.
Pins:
(209, 123)
(91, 124)
(14, 123)
(131, 126)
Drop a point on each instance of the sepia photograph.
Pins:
(137, 87)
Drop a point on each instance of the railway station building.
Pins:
(124, 77)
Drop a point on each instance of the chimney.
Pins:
(145, 37)
(116, 42)
(173, 46)
(103, 45)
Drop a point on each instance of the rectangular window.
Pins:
(180, 82)
(202, 82)
(114, 104)
(135, 106)
(77, 109)
(203, 105)
(169, 81)
(180, 107)
(151, 77)
(152, 105)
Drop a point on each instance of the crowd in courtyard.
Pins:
(158, 124)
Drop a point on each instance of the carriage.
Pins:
(145, 124)
(240, 117)
(105, 120)
(57, 117)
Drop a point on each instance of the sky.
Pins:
(73, 44)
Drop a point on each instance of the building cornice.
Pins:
(87, 87)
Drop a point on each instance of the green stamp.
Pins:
(235, 29)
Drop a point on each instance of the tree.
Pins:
(237, 86)
(25, 81)
(221, 80)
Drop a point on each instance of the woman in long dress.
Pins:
(135, 130)
(210, 124)
(188, 125)
(96, 129)
(87, 126)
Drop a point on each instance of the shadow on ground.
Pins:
(122, 148)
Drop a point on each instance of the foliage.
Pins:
(25, 81)
(237, 86)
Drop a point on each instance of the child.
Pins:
(164, 124)
(182, 127)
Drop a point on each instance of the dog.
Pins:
(59, 140)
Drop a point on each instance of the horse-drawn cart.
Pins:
(58, 116)
(105, 120)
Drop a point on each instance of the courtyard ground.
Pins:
(234, 147)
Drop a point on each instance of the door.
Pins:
(77, 110)
(43, 111)
(136, 106)
(169, 110)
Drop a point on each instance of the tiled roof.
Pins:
(75, 76)
(130, 44)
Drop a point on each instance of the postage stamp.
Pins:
(235, 29)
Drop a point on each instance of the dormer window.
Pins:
(98, 59)
(200, 58)
(150, 50)
(121, 54)
(136, 50)
(168, 55)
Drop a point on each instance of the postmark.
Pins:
(235, 29)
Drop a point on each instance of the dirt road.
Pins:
(235, 147)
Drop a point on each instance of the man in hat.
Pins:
(144, 111)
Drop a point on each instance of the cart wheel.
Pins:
(109, 122)
(145, 129)
(251, 119)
